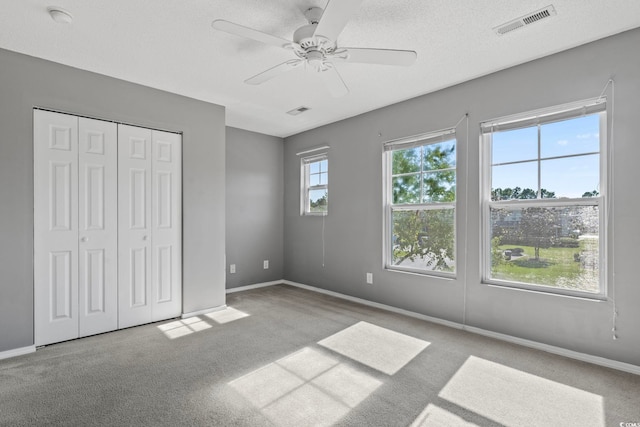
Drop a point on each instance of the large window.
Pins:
(544, 202)
(420, 202)
(315, 185)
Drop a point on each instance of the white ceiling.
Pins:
(170, 45)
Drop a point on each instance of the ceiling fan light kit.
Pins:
(315, 47)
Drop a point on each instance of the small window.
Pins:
(420, 203)
(315, 185)
(544, 199)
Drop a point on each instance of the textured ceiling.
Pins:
(170, 45)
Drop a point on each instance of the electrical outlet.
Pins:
(232, 268)
(265, 264)
(370, 278)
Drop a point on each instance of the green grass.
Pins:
(556, 267)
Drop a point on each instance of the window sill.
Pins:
(584, 296)
(422, 273)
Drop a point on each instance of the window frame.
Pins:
(306, 187)
(538, 118)
(425, 139)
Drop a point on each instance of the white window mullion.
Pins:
(539, 191)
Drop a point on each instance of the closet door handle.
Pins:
(84, 239)
(144, 237)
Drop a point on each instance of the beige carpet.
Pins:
(283, 356)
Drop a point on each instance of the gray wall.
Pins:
(26, 82)
(254, 200)
(353, 229)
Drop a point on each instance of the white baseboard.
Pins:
(596, 360)
(201, 312)
(376, 305)
(255, 286)
(17, 352)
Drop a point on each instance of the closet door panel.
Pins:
(134, 225)
(166, 271)
(55, 227)
(98, 226)
(107, 226)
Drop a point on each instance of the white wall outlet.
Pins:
(232, 268)
(265, 264)
(370, 278)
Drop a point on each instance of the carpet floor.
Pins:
(284, 356)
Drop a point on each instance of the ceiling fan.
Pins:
(314, 45)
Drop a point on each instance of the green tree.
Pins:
(537, 228)
(319, 205)
(520, 193)
(546, 194)
(439, 178)
(424, 234)
(593, 193)
(406, 168)
(496, 254)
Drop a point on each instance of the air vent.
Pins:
(525, 20)
(297, 111)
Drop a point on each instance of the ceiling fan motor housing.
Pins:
(304, 35)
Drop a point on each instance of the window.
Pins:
(420, 202)
(544, 201)
(315, 185)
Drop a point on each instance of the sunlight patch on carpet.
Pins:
(306, 406)
(382, 349)
(307, 363)
(436, 416)
(227, 315)
(180, 328)
(512, 397)
(307, 387)
(267, 384)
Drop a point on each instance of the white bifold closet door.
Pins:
(107, 226)
(75, 227)
(149, 236)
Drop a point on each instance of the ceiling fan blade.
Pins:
(273, 72)
(377, 56)
(333, 81)
(250, 33)
(335, 17)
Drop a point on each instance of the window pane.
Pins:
(440, 156)
(423, 239)
(517, 181)
(556, 247)
(439, 187)
(318, 201)
(571, 176)
(406, 189)
(323, 165)
(575, 136)
(314, 167)
(318, 179)
(514, 145)
(406, 161)
(323, 178)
